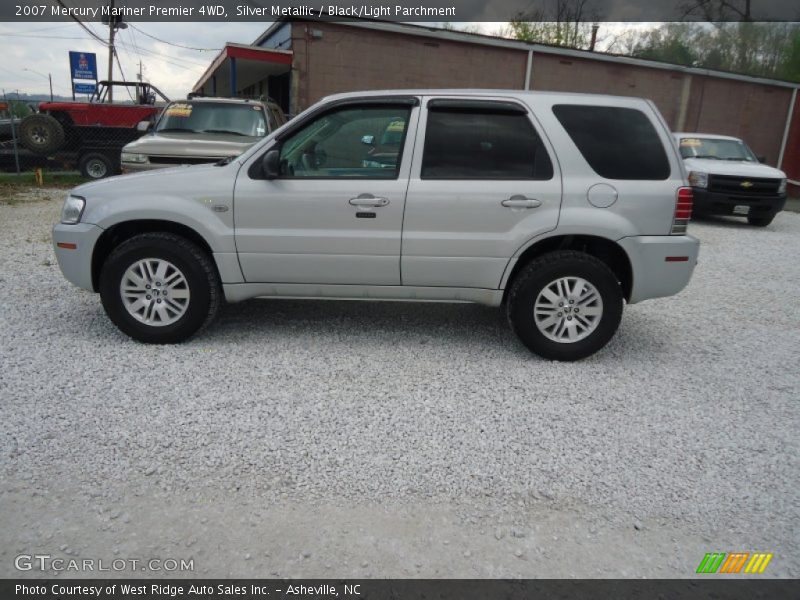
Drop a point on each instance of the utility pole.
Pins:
(111, 30)
(114, 22)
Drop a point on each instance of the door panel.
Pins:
(500, 190)
(335, 216)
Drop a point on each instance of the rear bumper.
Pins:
(76, 263)
(718, 203)
(662, 264)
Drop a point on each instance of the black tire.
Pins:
(96, 165)
(541, 272)
(196, 266)
(760, 221)
(41, 134)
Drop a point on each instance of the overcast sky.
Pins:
(40, 47)
(32, 50)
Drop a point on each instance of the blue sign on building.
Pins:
(85, 88)
(83, 65)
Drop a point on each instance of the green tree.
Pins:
(789, 67)
(761, 49)
(560, 23)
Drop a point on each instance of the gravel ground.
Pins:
(415, 439)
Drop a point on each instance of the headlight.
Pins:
(698, 179)
(782, 187)
(133, 158)
(72, 210)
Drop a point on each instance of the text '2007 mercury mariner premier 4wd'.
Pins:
(558, 207)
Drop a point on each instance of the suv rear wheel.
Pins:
(160, 288)
(565, 305)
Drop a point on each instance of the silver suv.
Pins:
(558, 207)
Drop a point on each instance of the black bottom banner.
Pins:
(402, 589)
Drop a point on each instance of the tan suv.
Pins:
(201, 130)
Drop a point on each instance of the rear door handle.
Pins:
(519, 201)
(368, 200)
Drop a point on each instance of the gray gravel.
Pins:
(687, 421)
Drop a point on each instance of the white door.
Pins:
(335, 213)
(484, 182)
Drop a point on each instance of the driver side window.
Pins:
(353, 142)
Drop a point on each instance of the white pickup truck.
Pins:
(728, 179)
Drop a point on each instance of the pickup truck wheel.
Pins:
(41, 133)
(96, 165)
(160, 288)
(565, 305)
(760, 221)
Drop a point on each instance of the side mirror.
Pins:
(143, 126)
(271, 164)
(368, 140)
(762, 158)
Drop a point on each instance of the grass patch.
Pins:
(28, 179)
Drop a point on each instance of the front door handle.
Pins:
(519, 201)
(369, 200)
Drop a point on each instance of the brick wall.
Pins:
(754, 112)
(561, 74)
(346, 59)
(340, 58)
(791, 157)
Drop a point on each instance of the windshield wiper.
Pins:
(224, 161)
(223, 131)
(706, 156)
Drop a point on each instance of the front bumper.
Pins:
(662, 264)
(720, 203)
(76, 263)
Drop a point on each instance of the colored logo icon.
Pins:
(734, 562)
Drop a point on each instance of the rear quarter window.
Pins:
(481, 144)
(618, 143)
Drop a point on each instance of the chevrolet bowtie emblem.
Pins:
(746, 184)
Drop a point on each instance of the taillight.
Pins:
(683, 211)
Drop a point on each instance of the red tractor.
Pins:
(93, 131)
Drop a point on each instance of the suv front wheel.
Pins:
(565, 305)
(160, 288)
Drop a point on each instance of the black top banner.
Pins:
(402, 10)
(409, 589)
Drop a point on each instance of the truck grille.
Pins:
(743, 186)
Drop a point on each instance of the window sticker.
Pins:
(179, 110)
(690, 143)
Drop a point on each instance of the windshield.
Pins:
(214, 117)
(715, 148)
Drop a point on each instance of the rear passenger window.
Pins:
(618, 143)
(478, 144)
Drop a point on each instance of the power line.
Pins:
(84, 27)
(122, 74)
(167, 58)
(173, 43)
(40, 29)
(50, 37)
